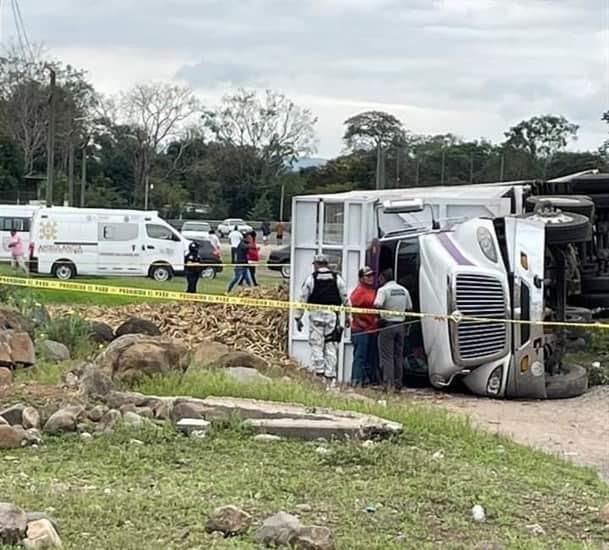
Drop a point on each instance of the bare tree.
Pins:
(157, 112)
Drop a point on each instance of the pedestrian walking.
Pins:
(253, 255)
(363, 331)
(266, 231)
(242, 272)
(192, 267)
(279, 229)
(393, 300)
(234, 238)
(17, 252)
(323, 287)
(214, 240)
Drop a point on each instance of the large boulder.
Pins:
(241, 359)
(41, 534)
(313, 538)
(208, 352)
(6, 376)
(133, 356)
(278, 530)
(100, 333)
(228, 520)
(11, 437)
(16, 348)
(13, 523)
(11, 319)
(64, 420)
(54, 351)
(13, 414)
(135, 325)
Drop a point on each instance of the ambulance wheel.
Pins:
(64, 270)
(573, 381)
(208, 273)
(160, 273)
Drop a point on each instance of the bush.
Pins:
(72, 331)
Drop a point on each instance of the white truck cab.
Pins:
(66, 242)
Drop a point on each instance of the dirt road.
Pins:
(576, 429)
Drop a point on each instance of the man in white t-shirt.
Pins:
(234, 237)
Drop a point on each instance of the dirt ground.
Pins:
(576, 429)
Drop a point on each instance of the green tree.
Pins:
(262, 209)
(541, 136)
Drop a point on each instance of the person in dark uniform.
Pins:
(192, 267)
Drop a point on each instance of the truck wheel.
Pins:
(64, 270)
(563, 227)
(591, 184)
(595, 284)
(160, 273)
(285, 271)
(601, 200)
(573, 381)
(591, 301)
(577, 204)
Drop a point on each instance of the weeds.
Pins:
(72, 331)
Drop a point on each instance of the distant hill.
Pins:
(309, 163)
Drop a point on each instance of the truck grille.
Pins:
(478, 295)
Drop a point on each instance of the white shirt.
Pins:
(235, 237)
(393, 297)
(213, 239)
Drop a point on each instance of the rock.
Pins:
(133, 420)
(278, 530)
(478, 513)
(604, 513)
(100, 333)
(97, 413)
(267, 438)
(135, 325)
(33, 436)
(133, 356)
(64, 420)
(36, 516)
(94, 383)
(86, 437)
(109, 420)
(6, 376)
(313, 538)
(30, 418)
(3, 422)
(11, 319)
(127, 407)
(11, 437)
(41, 534)
(241, 359)
(117, 399)
(13, 523)
(145, 412)
(536, 530)
(229, 520)
(190, 425)
(323, 451)
(208, 352)
(54, 351)
(16, 348)
(246, 375)
(13, 414)
(340, 428)
(187, 408)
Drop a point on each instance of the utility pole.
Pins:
(146, 191)
(71, 171)
(282, 201)
(51, 139)
(418, 169)
(378, 165)
(502, 166)
(397, 167)
(83, 173)
(471, 167)
(442, 173)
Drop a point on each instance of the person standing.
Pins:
(279, 229)
(214, 240)
(363, 330)
(17, 252)
(192, 267)
(266, 231)
(323, 287)
(253, 255)
(242, 272)
(393, 300)
(234, 237)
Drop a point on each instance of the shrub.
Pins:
(72, 331)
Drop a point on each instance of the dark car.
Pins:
(211, 257)
(279, 260)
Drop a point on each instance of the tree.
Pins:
(157, 113)
(541, 136)
(262, 210)
(375, 130)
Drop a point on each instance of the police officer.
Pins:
(192, 267)
(323, 287)
(393, 300)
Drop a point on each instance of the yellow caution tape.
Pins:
(172, 295)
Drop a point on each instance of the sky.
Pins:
(470, 67)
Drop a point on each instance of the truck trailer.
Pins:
(466, 253)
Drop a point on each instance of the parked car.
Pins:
(209, 255)
(229, 224)
(195, 230)
(279, 260)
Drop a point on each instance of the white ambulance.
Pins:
(66, 242)
(19, 218)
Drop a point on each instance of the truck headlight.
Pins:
(487, 244)
(493, 386)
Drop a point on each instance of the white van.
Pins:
(19, 218)
(66, 242)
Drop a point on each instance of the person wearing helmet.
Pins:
(323, 287)
(192, 267)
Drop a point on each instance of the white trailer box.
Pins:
(343, 226)
(84, 241)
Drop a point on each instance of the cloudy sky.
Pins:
(471, 67)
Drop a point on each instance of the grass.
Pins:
(115, 494)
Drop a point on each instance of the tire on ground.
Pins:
(594, 285)
(601, 200)
(591, 301)
(591, 184)
(570, 383)
(564, 227)
(577, 204)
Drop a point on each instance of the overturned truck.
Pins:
(485, 265)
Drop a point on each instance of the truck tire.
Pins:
(64, 270)
(577, 204)
(601, 200)
(595, 284)
(570, 383)
(563, 227)
(591, 184)
(208, 273)
(591, 301)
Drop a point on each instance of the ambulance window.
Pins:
(117, 231)
(155, 231)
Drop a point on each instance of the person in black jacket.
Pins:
(192, 267)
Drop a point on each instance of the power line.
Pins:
(23, 30)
